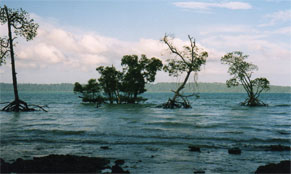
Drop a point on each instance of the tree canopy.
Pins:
(22, 25)
(110, 81)
(241, 72)
(136, 73)
(89, 92)
(124, 86)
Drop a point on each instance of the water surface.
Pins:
(158, 137)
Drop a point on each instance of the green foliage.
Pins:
(22, 26)
(241, 72)
(190, 58)
(187, 60)
(78, 88)
(125, 86)
(136, 73)
(89, 92)
(110, 81)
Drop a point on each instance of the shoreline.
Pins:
(62, 164)
(83, 164)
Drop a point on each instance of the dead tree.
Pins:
(187, 61)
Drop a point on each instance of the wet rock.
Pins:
(194, 149)
(104, 147)
(56, 164)
(282, 167)
(119, 162)
(279, 148)
(4, 167)
(235, 151)
(118, 169)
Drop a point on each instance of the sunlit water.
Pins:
(156, 136)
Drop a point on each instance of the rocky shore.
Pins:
(62, 164)
(281, 168)
(83, 164)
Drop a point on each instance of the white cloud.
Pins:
(208, 5)
(64, 52)
(41, 51)
(271, 58)
(277, 17)
(82, 50)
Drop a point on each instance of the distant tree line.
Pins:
(163, 87)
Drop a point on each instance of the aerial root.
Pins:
(253, 102)
(171, 104)
(19, 105)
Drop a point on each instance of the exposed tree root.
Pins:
(19, 105)
(173, 104)
(253, 102)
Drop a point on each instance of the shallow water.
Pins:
(158, 137)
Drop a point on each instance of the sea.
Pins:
(152, 139)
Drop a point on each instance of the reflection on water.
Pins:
(158, 137)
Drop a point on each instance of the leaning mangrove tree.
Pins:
(186, 61)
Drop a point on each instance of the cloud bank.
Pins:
(68, 55)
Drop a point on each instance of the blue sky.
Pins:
(77, 36)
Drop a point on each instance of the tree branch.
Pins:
(174, 50)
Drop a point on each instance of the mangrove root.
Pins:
(19, 105)
(172, 104)
(253, 102)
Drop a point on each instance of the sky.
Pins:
(76, 36)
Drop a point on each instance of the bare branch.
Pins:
(173, 49)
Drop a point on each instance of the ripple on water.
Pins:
(158, 137)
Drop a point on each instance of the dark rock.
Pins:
(4, 167)
(152, 156)
(282, 167)
(104, 147)
(279, 148)
(57, 164)
(199, 171)
(194, 149)
(119, 162)
(235, 151)
(118, 169)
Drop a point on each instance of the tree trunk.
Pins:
(177, 92)
(14, 79)
(111, 97)
(172, 103)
